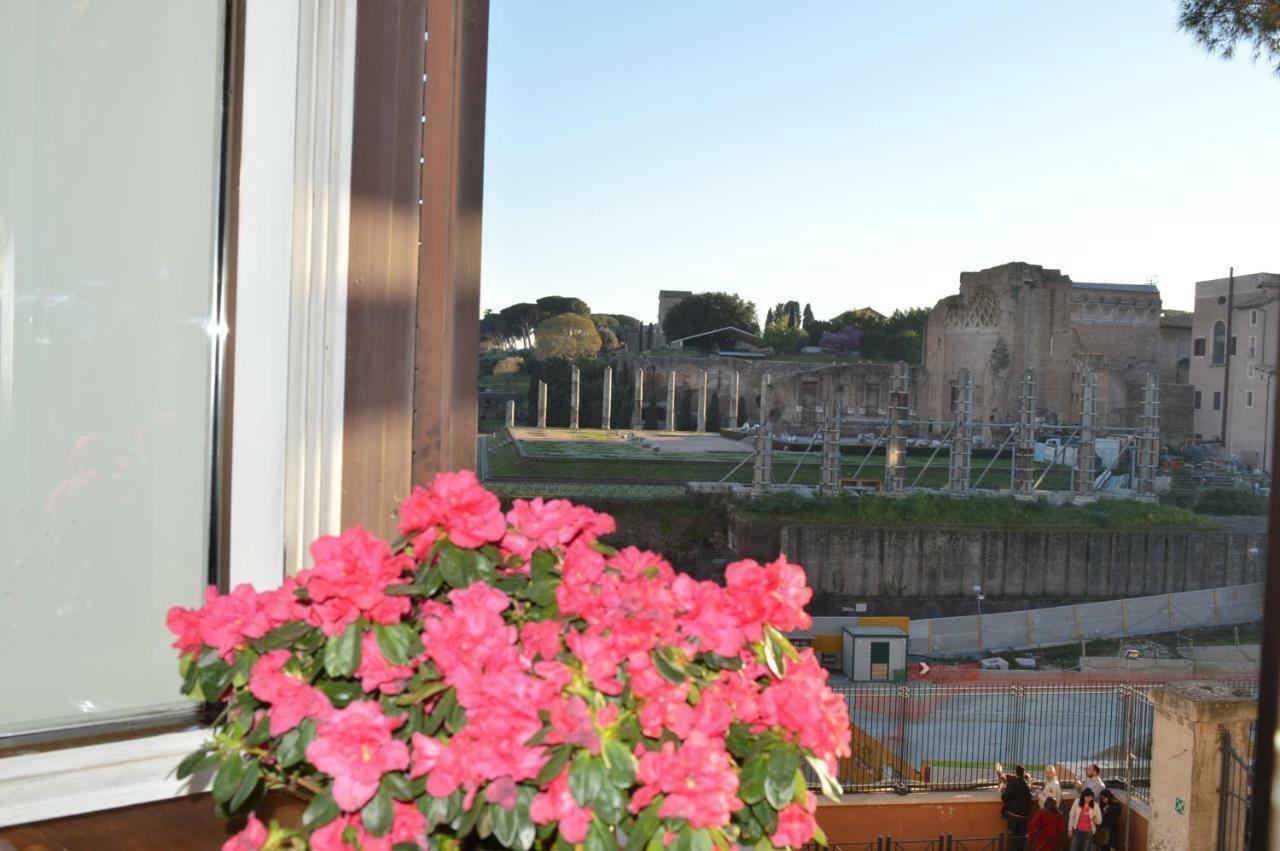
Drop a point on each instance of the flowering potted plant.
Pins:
(512, 680)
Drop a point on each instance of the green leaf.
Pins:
(751, 780)
(282, 636)
(610, 804)
(721, 663)
(773, 659)
(342, 652)
(398, 785)
(702, 840)
(666, 668)
(644, 828)
(830, 786)
(292, 748)
(461, 568)
(322, 810)
(683, 840)
(542, 565)
(599, 837)
(542, 592)
(506, 823)
(227, 780)
(783, 644)
(552, 767)
(396, 642)
(779, 781)
(467, 821)
(620, 763)
(248, 785)
(376, 814)
(586, 776)
(340, 692)
(445, 705)
(187, 767)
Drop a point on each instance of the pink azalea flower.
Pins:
(775, 594)
(697, 779)
(796, 825)
(331, 837)
(290, 697)
(376, 673)
(806, 710)
(539, 525)
(224, 622)
(354, 746)
(408, 824)
(252, 838)
(540, 638)
(556, 804)
(349, 578)
(708, 616)
(457, 504)
(185, 624)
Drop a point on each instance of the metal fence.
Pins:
(944, 842)
(960, 636)
(950, 736)
(1235, 799)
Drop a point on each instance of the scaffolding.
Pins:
(1148, 455)
(575, 396)
(830, 481)
(762, 463)
(895, 456)
(1024, 451)
(1086, 453)
(962, 436)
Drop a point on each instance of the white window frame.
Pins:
(297, 116)
(1248, 398)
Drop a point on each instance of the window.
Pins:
(871, 399)
(1248, 399)
(1249, 371)
(1219, 343)
(1253, 317)
(110, 326)
(1253, 347)
(955, 397)
(1198, 351)
(880, 660)
(1217, 400)
(1232, 350)
(1196, 400)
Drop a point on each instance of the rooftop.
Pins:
(1128, 288)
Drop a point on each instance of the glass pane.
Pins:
(110, 115)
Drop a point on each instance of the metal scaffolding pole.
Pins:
(762, 468)
(606, 400)
(542, 404)
(637, 407)
(1149, 437)
(830, 482)
(895, 457)
(962, 437)
(1024, 452)
(1086, 458)
(733, 402)
(575, 396)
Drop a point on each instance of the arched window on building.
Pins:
(1219, 343)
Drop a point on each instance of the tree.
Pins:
(848, 339)
(785, 314)
(816, 329)
(785, 340)
(554, 305)
(768, 318)
(1221, 25)
(808, 316)
(698, 314)
(520, 320)
(568, 336)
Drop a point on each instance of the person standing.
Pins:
(1093, 780)
(1083, 821)
(1108, 834)
(1052, 789)
(1016, 798)
(1047, 828)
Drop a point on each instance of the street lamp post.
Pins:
(977, 592)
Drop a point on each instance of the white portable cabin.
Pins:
(874, 653)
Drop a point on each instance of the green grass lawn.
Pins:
(927, 510)
(589, 460)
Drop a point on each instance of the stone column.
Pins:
(575, 395)
(511, 413)
(542, 404)
(733, 402)
(1192, 719)
(637, 410)
(671, 400)
(702, 404)
(895, 455)
(482, 457)
(606, 403)
(762, 464)
(1024, 449)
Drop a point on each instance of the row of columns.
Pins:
(637, 413)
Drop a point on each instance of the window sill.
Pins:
(38, 786)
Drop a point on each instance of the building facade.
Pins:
(1019, 316)
(1233, 362)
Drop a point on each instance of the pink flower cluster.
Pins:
(628, 641)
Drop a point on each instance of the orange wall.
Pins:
(915, 816)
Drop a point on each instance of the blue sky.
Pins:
(855, 153)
